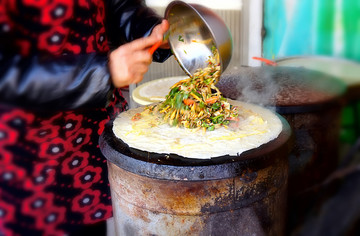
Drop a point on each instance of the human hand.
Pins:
(159, 32)
(129, 62)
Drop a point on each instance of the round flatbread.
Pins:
(257, 126)
(155, 90)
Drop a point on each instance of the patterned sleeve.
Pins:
(68, 82)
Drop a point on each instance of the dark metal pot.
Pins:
(160, 194)
(310, 101)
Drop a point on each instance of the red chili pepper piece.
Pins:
(267, 61)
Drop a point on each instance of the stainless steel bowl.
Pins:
(194, 31)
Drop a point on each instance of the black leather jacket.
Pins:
(74, 81)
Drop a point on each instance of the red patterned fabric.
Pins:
(53, 177)
(52, 26)
(51, 167)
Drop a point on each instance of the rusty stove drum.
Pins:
(160, 194)
(312, 103)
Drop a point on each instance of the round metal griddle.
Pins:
(346, 70)
(287, 89)
(172, 166)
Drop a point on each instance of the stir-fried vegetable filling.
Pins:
(195, 102)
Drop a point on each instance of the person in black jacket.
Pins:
(62, 64)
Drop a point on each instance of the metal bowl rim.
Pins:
(193, 7)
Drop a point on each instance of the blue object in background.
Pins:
(308, 27)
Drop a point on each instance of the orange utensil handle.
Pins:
(267, 61)
(154, 47)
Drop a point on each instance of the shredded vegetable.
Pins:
(196, 102)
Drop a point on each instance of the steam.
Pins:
(279, 86)
(248, 84)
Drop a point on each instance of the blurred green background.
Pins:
(316, 28)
